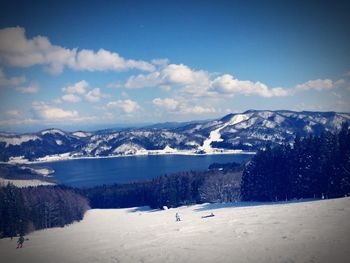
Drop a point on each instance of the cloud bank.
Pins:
(16, 50)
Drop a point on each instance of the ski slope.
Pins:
(317, 231)
(215, 135)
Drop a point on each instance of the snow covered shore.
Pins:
(317, 231)
(167, 151)
(24, 183)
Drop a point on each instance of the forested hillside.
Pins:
(174, 190)
(316, 166)
(26, 209)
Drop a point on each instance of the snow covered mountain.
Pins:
(246, 131)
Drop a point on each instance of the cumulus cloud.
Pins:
(171, 75)
(181, 106)
(142, 81)
(318, 84)
(199, 84)
(196, 109)
(104, 60)
(47, 112)
(228, 84)
(183, 75)
(17, 50)
(77, 88)
(167, 103)
(160, 61)
(71, 98)
(33, 88)
(14, 81)
(128, 106)
(94, 95)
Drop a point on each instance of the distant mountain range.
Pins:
(246, 131)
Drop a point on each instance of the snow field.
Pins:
(317, 231)
(24, 183)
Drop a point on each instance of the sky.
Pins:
(88, 65)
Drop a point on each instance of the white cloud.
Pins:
(160, 61)
(80, 88)
(53, 113)
(17, 50)
(318, 84)
(128, 106)
(71, 98)
(171, 75)
(94, 95)
(104, 60)
(77, 88)
(181, 106)
(142, 81)
(199, 84)
(186, 109)
(183, 75)
(14, 81)
(227, 84)
(33, 88)
(167, 103)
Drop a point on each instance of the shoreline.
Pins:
(67, 157)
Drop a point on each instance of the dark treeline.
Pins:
(174, 190)
(233, 167)
(317, 166)
(26, 209)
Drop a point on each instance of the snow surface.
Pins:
(18, 140)
(41, 171)
(317, 231)
(53, 131)
(215, 135)
(24, 183)
(81, 134)
(18, 160)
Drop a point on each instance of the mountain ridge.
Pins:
(232, 133)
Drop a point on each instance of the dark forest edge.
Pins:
(23, 210)
(314, 167)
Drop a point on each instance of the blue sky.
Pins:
(96, 64)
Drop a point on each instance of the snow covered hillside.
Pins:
(234, 133)
(316, 231)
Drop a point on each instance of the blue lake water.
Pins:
(90, 172)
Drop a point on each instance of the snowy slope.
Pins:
(215, 135)
(316, 231)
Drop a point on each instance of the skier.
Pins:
(20, 242)
(177, 216)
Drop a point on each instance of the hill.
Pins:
(248, 131)
(316, 231)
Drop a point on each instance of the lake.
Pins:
(91, 172)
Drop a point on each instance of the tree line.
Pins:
(314, 167)
(174, 190)
(26, 209)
